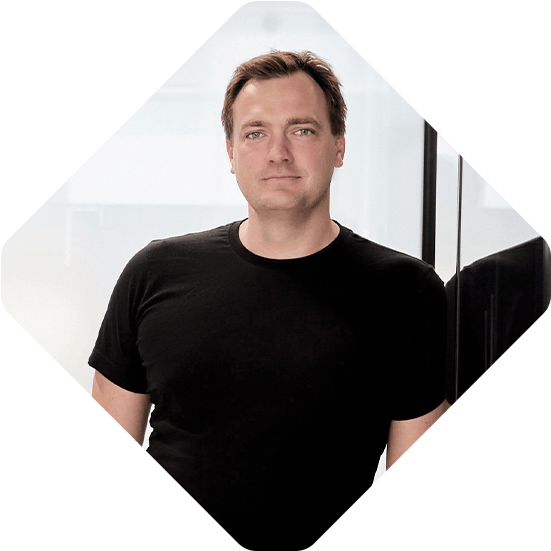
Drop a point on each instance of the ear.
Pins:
(229, 149)
(339, 155)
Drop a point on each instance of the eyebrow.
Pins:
(290, 122)
(305, 120)
(253, 123)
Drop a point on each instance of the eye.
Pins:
(304, 132)
(253, 135)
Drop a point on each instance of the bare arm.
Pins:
(403, 434)
(129, 409)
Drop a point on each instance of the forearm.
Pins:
(129, 409)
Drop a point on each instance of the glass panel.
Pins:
(446, 210)
(503, 280)
(489, 223)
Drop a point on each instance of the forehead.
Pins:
(297, 95)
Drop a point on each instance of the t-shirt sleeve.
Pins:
(420, 384)
(115, 354)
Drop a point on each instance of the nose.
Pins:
(280, 150)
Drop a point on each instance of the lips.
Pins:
(282, 177)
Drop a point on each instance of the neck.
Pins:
(283, 236)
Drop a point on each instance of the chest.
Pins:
(227, 337)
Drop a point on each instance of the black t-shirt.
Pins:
(274, 381)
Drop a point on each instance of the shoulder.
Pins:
(191, 242)
(394, 267)
(183, 250)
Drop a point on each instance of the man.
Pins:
(283, 352)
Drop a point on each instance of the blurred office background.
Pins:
(166, 172)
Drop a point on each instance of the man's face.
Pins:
(283, 152)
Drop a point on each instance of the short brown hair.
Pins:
(280, 64)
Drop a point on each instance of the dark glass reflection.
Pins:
(500, 297)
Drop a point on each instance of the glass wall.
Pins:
(501, 280)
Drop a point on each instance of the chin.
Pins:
(284, 200)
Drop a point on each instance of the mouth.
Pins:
(282, 177)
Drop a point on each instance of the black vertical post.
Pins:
(429, 195)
